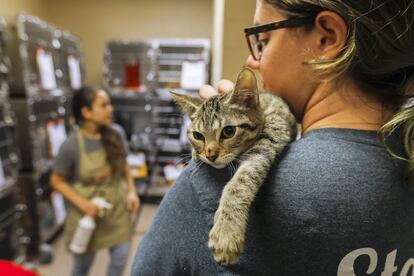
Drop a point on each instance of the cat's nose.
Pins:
(212, 157)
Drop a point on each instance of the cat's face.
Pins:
(220, 131)
(224, 126)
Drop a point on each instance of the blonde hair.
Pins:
(379, 52)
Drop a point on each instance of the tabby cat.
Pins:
(237, 126)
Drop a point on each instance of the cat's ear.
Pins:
(188, 104)
(246, 92)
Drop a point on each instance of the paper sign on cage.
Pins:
(46, 69)
(57, 135)
(75, 77)
(138, 165)
(193, 75)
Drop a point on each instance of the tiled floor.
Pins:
(62, 260)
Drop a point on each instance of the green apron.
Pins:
(116, 226)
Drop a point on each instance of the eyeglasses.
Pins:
(256, 45)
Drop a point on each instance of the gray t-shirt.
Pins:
(67, 161)
(335, 204)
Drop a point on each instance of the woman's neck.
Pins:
(344, 106)
(90, 130)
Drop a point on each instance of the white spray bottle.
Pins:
(86, 226)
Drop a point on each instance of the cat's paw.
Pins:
(227, 242)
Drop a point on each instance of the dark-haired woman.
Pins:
(336, 202)
(92, 163)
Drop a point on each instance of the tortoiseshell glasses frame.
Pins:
(252, 33)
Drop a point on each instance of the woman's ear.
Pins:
(86, 112)
(332, 33)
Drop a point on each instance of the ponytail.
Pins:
(115, 151)
(404, 121)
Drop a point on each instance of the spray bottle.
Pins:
(86, 226)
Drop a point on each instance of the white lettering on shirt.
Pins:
(408, 264)
(346, 266)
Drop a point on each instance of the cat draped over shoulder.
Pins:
(242, 126)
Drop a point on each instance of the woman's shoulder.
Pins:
(200, 184)
(329, 169)
(68, 154)
(342, 158)
(333, 146)
(71, 142)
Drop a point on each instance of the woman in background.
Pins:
(92, 163)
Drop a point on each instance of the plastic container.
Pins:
(85, 228)
(83, 234)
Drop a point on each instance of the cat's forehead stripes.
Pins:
(211, 112)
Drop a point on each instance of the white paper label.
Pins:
(74, 72)
(57, 135)
(136, 159)
(46, 69)
(170, 172)
(193, 74)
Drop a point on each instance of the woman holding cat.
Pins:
(336, 202)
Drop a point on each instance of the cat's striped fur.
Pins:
(260, 127)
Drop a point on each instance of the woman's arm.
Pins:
(60, 184)
(132, 197)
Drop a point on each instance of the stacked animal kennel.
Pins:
(47, 67)
(139, 76)
(12, 209)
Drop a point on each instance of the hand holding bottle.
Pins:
(96, 207)
(102, 204)
(91, 209)
(86, 225)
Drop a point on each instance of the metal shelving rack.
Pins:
(152, 120)
(122, 55)
(40, 95)
(171, 55)
(70, 57)
(11, 208)
(69, 49)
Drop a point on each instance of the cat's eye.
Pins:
(228, 132)
(198, 135)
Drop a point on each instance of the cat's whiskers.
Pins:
(233, 168)
(238, 159)
(197, 165)
(183, 157)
